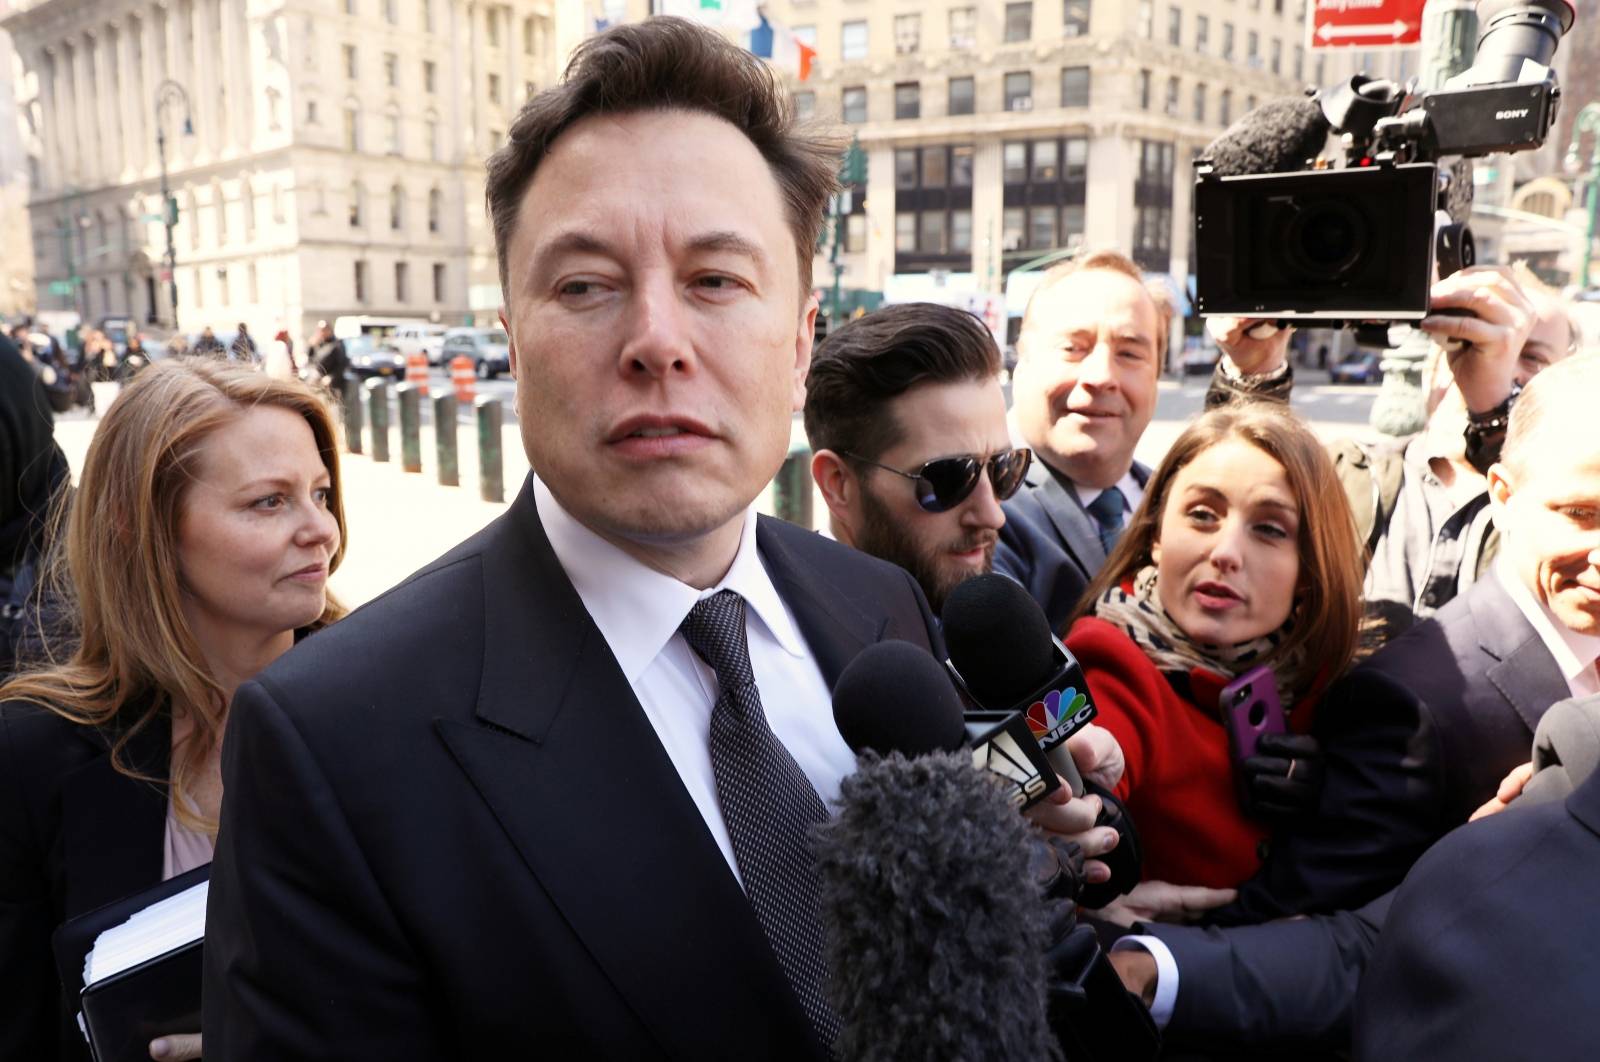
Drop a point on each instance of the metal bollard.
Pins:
(351, 400)
(491, 469)
(791, 490)
(410, 426)
(378, 414)
(444, 436)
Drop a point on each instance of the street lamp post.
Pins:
(1587, 121)
(169, 92)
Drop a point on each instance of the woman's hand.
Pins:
(1072, 818)
(1283, 780)
(1159, 901)
(1098, 756)
(177, 1048)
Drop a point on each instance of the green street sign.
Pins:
(61, 287)
(151, 218)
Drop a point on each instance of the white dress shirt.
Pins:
(1575, 654)
(638, 611)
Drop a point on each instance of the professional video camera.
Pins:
(1280, 232)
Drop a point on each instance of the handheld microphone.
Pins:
(1003, 656)
(894, 697)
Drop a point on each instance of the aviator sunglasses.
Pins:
(946, 482)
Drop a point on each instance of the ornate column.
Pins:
(200, 64)
(109, 90)
(130, 103)
(45, 62)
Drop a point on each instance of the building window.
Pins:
(961, 96)
(960, 232)
(931, 233)
(1252, 52)
(1011, 229)
(907, 34)
(961, 166)
(361, 280)
(1075, 18)
(1227, 40)
(907, 100)
(1202, 33)
(391, 131)
(438, 282)
(350, 67)
(854, 110)
(430, 72)
(427, 15)
(432, 129)
(1074, 86)
(1076, 156)
(1249, 104)
(494, 87)
(311, 112)
(963, 28)
(905, 233)
(1019, 22)
(853, 41)
(1199, 103)
(1299, 62)
(905, 168)
(1172, 97)
(391, 12)
(1072, 226)
(855, 233)
(1146, 17)
(352, 129)
(805, 104)
(349, 7)
(1046, 166)
(1152, 203)
(1014, 162)
(1144, 90)
(1019, 91)
(401, 295)
(1175, 26)
(391, 69)
(397, 208)
(935, 167)
(527, 36)
(1275, 56)
(491, 23)
(1225, 107)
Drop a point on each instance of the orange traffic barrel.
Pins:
(463, 377)
(417, 372)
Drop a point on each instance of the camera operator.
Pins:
(1422, 503)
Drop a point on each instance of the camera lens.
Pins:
(1325, 239)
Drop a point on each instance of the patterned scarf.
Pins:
(1140, 616)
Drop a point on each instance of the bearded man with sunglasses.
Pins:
(908, 423)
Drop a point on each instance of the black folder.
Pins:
(123, 1012)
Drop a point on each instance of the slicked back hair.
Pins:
(881, 356)
(670, 64)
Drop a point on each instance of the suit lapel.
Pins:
(113, 826)
(1584, 803)
(834, 631)
(1078, 534)
(1525, 673)
(576, 776)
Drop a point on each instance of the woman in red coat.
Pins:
(1242, 554)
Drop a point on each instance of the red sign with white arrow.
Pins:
(1364, 24)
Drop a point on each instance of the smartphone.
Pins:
(1251, 708)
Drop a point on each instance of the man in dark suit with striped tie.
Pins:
(1093, 341)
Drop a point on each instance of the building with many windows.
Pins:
(325, 156)
(998, 134)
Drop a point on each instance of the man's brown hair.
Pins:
(670, 64)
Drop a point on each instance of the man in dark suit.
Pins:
(1089, 355)
(552, 794)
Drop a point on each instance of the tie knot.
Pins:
(1107, 508)
(714, 629)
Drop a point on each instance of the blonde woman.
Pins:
(197, 550)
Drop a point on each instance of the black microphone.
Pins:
(1276, 137)
(1004, 657)
(949, 921)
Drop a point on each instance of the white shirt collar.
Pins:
(639, 609)
(1575, 654)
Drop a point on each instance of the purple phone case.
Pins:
(1251, 707)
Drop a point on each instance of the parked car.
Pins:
(420, 338)
(489, 349)
(1358, 367)
(1199, 359)
(371, 356)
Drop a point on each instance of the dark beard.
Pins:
(883, 537)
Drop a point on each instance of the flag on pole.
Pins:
(776, 42)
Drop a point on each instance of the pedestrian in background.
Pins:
(197, 550)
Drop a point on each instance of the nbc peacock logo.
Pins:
(1058, 714)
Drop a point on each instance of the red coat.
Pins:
(1179, 782)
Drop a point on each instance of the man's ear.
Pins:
(511, 342)
(841, 490)
(1501, 486)
(802, 349)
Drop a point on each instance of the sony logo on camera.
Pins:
(1501, 116)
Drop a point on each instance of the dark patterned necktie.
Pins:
(1107, 512)
(769, 805)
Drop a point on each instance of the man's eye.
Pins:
(579, 287)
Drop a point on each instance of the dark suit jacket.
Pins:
(74, 835)
(1489, 951)
(451, 832)
(1416, 738)
(1050, 544)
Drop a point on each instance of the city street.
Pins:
(399, 521)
